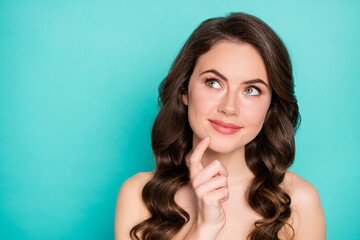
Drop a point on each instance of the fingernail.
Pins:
(206, 139)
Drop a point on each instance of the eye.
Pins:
(211, 82)
(252, 90)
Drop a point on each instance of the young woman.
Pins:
(223, 141)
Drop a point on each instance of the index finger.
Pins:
(195, 159)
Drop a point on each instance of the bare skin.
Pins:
(219, 89)
(307, 217)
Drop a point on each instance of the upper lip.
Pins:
(224, 124)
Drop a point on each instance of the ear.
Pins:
(185, 99)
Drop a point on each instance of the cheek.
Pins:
(254, 113)
(202, 104)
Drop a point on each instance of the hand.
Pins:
(210, 186)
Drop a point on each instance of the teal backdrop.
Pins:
(78, 95)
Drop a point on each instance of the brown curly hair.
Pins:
(268, 156)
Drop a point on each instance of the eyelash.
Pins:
(214, 79)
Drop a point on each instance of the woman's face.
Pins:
(229, 84)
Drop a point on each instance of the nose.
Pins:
(229, 104)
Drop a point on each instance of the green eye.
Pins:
(252, 91)
(212, 83)
(248, 90)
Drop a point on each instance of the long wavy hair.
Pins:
(268, 155)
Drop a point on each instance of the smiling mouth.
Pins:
(224, 124)
(224, 128)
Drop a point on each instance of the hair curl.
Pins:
(268, 156)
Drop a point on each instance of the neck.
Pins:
(234, 162)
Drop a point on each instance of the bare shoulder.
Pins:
(308, 214)
(301, 190)
(130, 208)
(140, 178)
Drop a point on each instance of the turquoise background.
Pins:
(78, 94)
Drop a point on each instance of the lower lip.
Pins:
(224, 130)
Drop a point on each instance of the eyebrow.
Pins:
(256, 80)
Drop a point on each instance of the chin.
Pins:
(221, 146)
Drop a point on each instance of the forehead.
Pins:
(234, 60)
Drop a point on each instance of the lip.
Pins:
(224, 128)
(224, 124)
